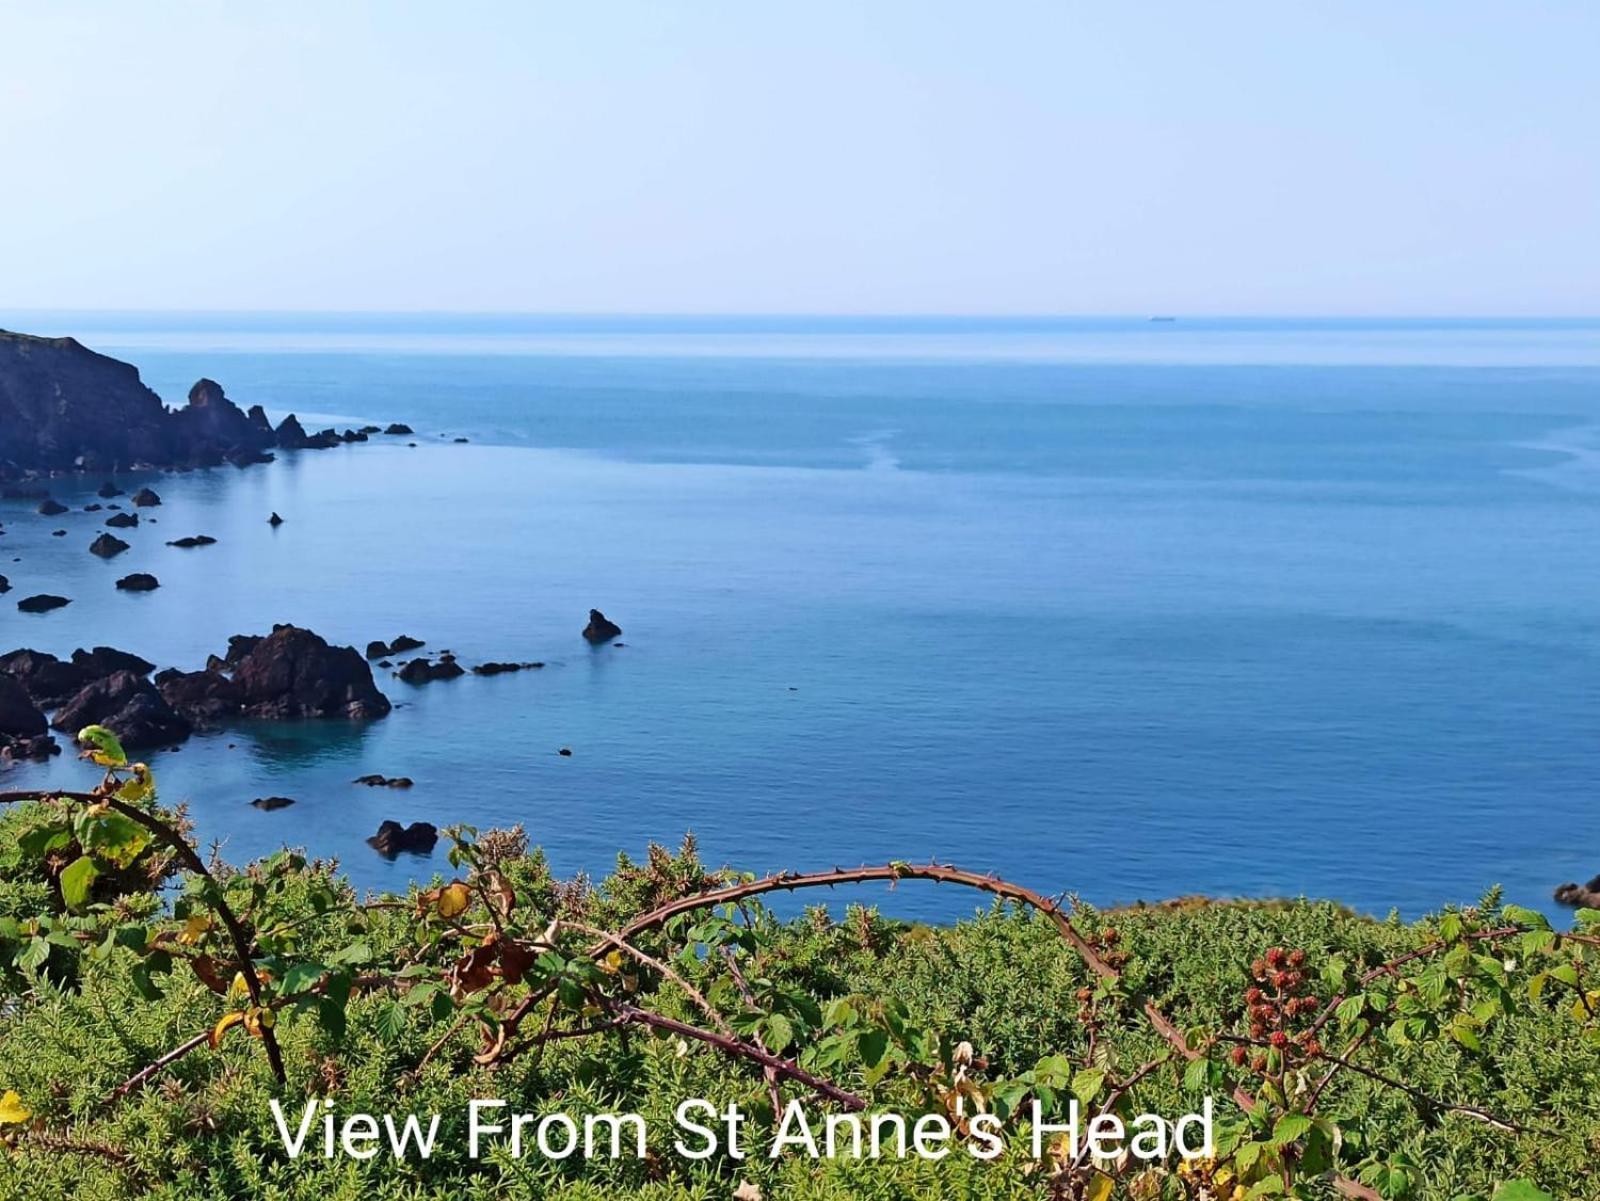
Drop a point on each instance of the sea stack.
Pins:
(601, 628)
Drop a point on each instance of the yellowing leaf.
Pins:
(226, 1023)
(1099, 1188)
(454, 899)
(138, 788)
(104, 747)
(194, 929)
(12, 1110)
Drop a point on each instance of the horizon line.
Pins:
(796, 315)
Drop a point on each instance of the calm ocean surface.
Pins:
(1124, 608)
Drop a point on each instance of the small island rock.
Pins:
(392, 838)
(600, 628)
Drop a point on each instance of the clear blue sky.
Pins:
(1134, 157)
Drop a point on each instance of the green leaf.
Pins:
(1086, 1084)
(780, 1033)
(1521, 1190)
(873, 1045)
(104, 741)
(1290, 1127)
(1531, 918)
(75, 881)
(41, 840)
(300, 977)
(391, 1021)
(112, 837)
(330, 1016)
(1197, 1075)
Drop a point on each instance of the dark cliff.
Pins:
(65, 408)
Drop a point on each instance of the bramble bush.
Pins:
(152, 1003)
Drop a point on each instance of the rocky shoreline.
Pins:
(66, 409)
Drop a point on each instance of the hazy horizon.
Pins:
(1027, 159)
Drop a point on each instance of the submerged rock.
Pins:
(129, 706)
(600, 628)
(392, 838)
(270, 803)
(108, 489)
(42, 603)
(123, 521)
(107, 546)
(376, 781)
(293, 672)
(139, 581)
(193, 540)
(495, 669)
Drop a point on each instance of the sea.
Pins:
(1124, 609)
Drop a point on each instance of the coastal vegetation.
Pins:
(154, 1003)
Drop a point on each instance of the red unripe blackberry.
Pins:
(1276, 956)
(1279, 1039)
(1253, 995)
(1239, 1056)
(1297, 958)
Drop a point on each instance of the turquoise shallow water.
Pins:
(1119, 608)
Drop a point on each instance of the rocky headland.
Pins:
(66, 408)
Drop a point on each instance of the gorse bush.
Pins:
(153, 1006)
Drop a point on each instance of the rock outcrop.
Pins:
(63, 407)
(24, 733)
(129, 706)
(600, 628)
(193, 540)
(107, 546)
(145, 498)
(122, 521)
(206, 698)
(47, 680)
(392, 838)
(139, 581)
(103, 660)
(42, 603)
(425, 671)
(1580, 896)
(295, 673)
(495, 669)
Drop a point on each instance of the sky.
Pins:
(1287, 157)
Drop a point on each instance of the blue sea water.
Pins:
(1120, 608)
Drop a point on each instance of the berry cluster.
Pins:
(1278, 1006)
